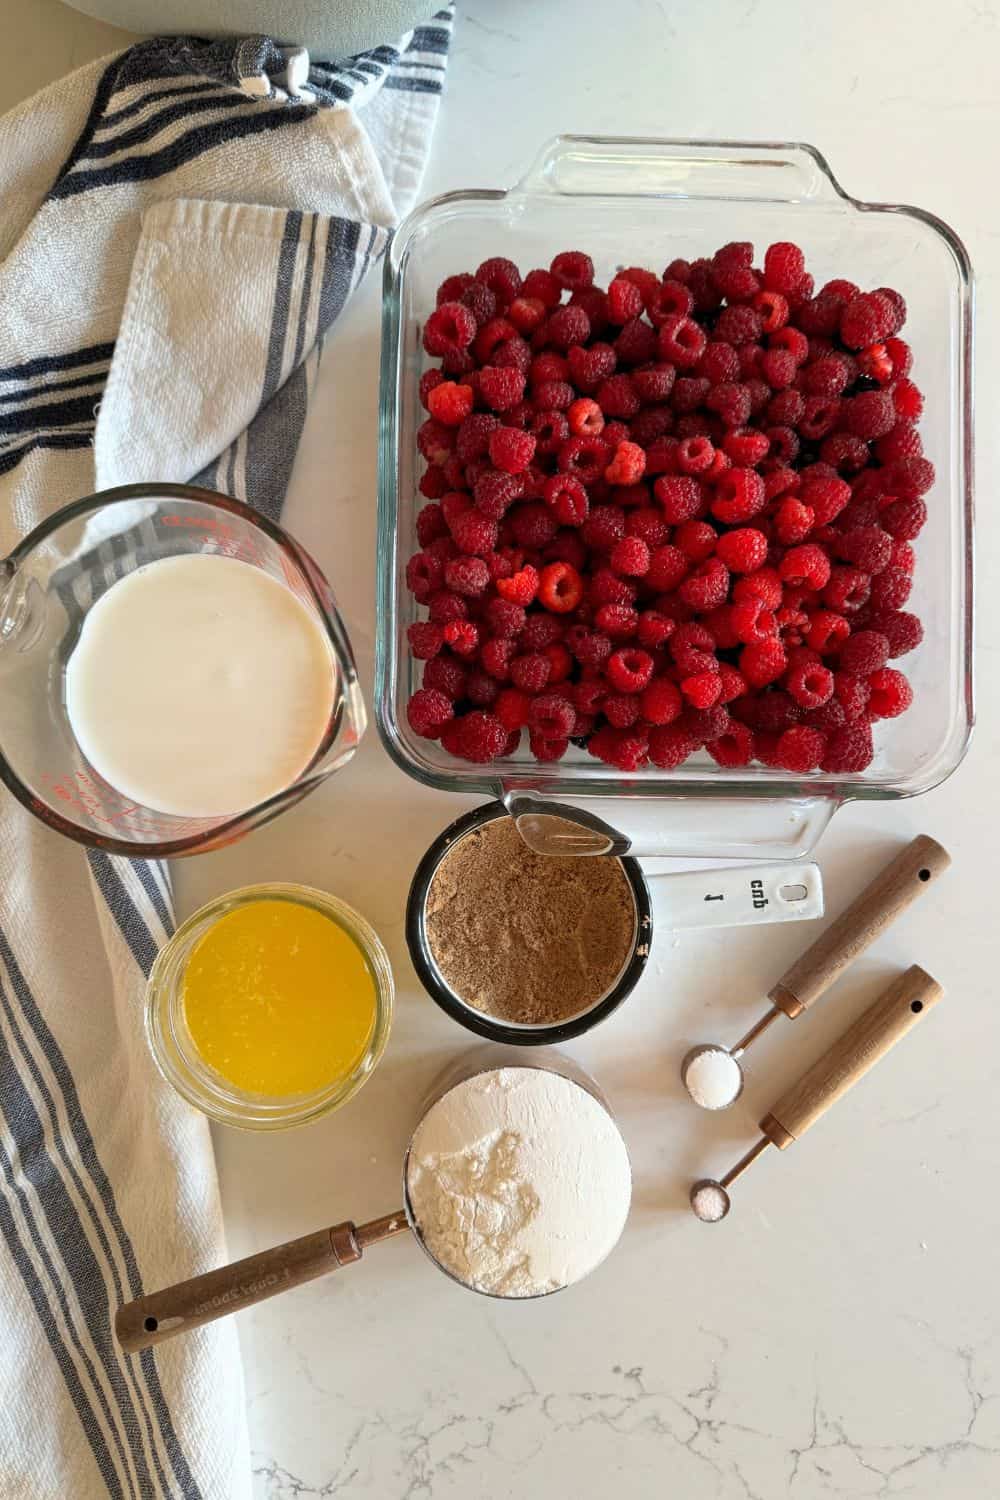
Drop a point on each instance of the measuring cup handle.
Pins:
(876, 1031)
(914, 869)
(742, 895)
(177, 1309)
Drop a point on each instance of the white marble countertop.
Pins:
(839, 1335)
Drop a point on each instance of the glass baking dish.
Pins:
(645, 202)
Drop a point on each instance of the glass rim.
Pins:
(197, 1082)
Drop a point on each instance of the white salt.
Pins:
(713, 1078)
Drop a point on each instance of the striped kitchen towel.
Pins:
(181, 225)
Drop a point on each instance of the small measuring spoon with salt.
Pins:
(712, 1074)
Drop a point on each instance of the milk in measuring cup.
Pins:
(200, 686)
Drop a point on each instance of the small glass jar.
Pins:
(183, 1066)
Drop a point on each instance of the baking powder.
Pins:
(713, 1078)
(519, 1181)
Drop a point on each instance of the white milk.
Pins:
(200, 686)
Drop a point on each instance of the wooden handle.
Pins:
(189, 1304)
(914, 869)
(910, 996)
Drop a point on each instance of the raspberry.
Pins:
(901, 629)
(606, 587)
(848, 750)
(681, 341)
(547, 749)
(897, 307)
(762, 662)
(852, 693)
(891, 693)
(654, 629)
(573, 270)
(844, 452)
(450, 327)
(745, 446)
(630, 557)
(794, 341)
(902, 442)
(467, 576)
(629, 670)
(526, 313)
(870, 415)
(567, 499)
(627, 750)
(876, 363)
(751, 621)
(552, 716)
(819, 417)
(531, 673)
(432, 484)
(805, 567)
(560, 588)
(428, 711)
(585, 418)
(668, 299)
(491, 338)
(903, 519)
(550, 430)
(624, 300)
(452, 287)
(680, 497)
(544, 286)
(617, 397)
(494, 493)
(511, 450)
(541, 630)
(733, 683)
(784, 265)
(450, 403)
(446, 675)
(707, 586)
(501, 276)
(764, 585)
(868, 547)
(910, 477)
(458, 361)
(810, 684)
(533, 525)
(462, 636)
(636, 344)
(863, 653)
(779, 368)
(501, 388)
(653, 383)
(503, 618)
(621, 709)
(731, 401)
(739, 495)
(689, 394)
(864, 321)
(703, 689)
(647, 522)
(738, 325)
(435, 441)
(793, 521)
(619, 621)
(800, 749)
(480, 301)
(847, 591)
(669, 746)
(772, 309)
(585, 458)
(425, 638)
(734, 747)
(431, 524)
(511, 708)
(773, 712)
(901, 355)
(560, 662)
(660, 702)
(521, 587)
(567, 326)
(827, 498)
(477, 736)
(604, 526)
(696, 539)
(474, 533)
(627, 466)
(424, 575)
(826, 631)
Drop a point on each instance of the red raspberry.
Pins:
(624, 300)
(689, 394)
(428, 711)
(619, 621)
(909, 477)
(731, 401)
(868, 547)
(621, 709)
(764, 584)
(681, 341)
(827, 497)
(526, 313)
(446, 606)
(847, 591)
(692, 647)
(784, 266)
(432, 482)
(903, 519)
(590, 647)
(863, 653)
(552, 716)
(805, 567)
(541, 630)
(897, 307)
(451, 327)
(647, 522)
(494, 493)
(431, 524)
(474, 533)
(435, 441)
(876, 363)
(792, 339)
(891, 589)
(548, 367)
(617, 397)
(477, 736)
(848, 750)
(452, 287)
(826, 631)
(446, 675)
(521, 587)
(737, 325)
(793, 521)
(629, 670)
(654, 629)
(902, 442)
(560, 661)
(752, 621)
(450, 403)
(660, 702)
(567, 499)
(820, 416)
(844, 452)
(425, 638)
(567, 326)
(762, 662)
(901, 629)
(560, 588)
(739, 495)
(491, 338)
(680, 497)
(627, 750)
(907, 400)
(502, 277)
(531, 673)
(900, 354)
(585, 458)
(695, 455)
(779, 368)
(501, 388)
(696, 539)
(903, 556)
(503, 618)
(810, 684)
(473, 438)
(585, 418)
(511, 450)
(544, 286)
(511, 708)
(866, 320)
(636, 344)
(627, 466)
(891, 693)
(800, 749)
(670, 746)
(630, 557)
(669, 298)
(424, 575)
(481, 689)
(606, 587)
(550, 430)
(546, 749)
(533, 525)
(852, 693)
(604, 526)
(573, 270)
(707, 585)
(772, 309)
(734, 747)
(870, 415)
(772, 712)
(467, 576)
(703, 689)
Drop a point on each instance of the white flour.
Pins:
(519, 1181)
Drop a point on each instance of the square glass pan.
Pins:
(644, 202)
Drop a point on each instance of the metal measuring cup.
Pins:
(177, 1309)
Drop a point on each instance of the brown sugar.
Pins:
(526, 938)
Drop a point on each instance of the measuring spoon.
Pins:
(712, 1074)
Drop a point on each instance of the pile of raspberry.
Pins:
(668, 515)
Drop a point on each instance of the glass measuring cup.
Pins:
(47, 586)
